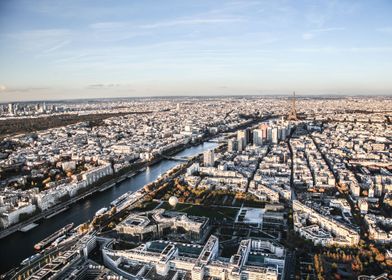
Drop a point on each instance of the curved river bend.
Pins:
(18, 246)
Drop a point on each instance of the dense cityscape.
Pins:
(195, 140)
(288, 188)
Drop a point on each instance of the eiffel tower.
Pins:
(292, 116)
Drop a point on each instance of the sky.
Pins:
(52, 49)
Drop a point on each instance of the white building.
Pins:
(93, 175)
(363, 205)
(12, 215)
(242, 140)
(172, 263)
(274, 135)
(257, 137)
(208, 158)
(232, 145)
(324, 230)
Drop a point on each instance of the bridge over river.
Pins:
(177, 158)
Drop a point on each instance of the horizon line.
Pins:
(268, 95)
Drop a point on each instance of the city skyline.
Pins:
(54, 50)
(198, 140)
(224, 187)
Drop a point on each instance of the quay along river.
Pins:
(19, 245)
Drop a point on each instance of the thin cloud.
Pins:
(26, 89)
(108, 25)
(3, 88)
(120, 25)
(42, 40)
(194, 21)
(328, 29)
(387, 29)
(341, 50)
(315, 32)
(307, 36)
(58, 46)
(103, 86)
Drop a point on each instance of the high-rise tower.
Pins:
(209, 158)
(292, 116)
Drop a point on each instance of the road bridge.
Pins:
(177, 158)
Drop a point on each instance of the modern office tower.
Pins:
(240, 145)
(378, 188)
(282, 133)
(269, 134)
(11, 108)
(242, 134)
(274, 136)
(232, 145)
(264, 128)
(209, 158)
(257, 137)
(242, 140)
(249, 137)
(289, 129)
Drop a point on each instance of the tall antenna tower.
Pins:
(292, 116)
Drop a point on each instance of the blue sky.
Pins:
(53, 49)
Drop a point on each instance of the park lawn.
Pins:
(202, 210)
(147, 206)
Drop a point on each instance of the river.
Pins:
(18, 246)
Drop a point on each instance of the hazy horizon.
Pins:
(56, 50)
(152, 96)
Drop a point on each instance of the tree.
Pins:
(334, 267)
(316, 263)
(380, 257)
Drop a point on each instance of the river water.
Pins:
(18, 246)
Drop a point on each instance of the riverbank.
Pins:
(110, 182)
(19, 245)
(133, 200)
(102, 185)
